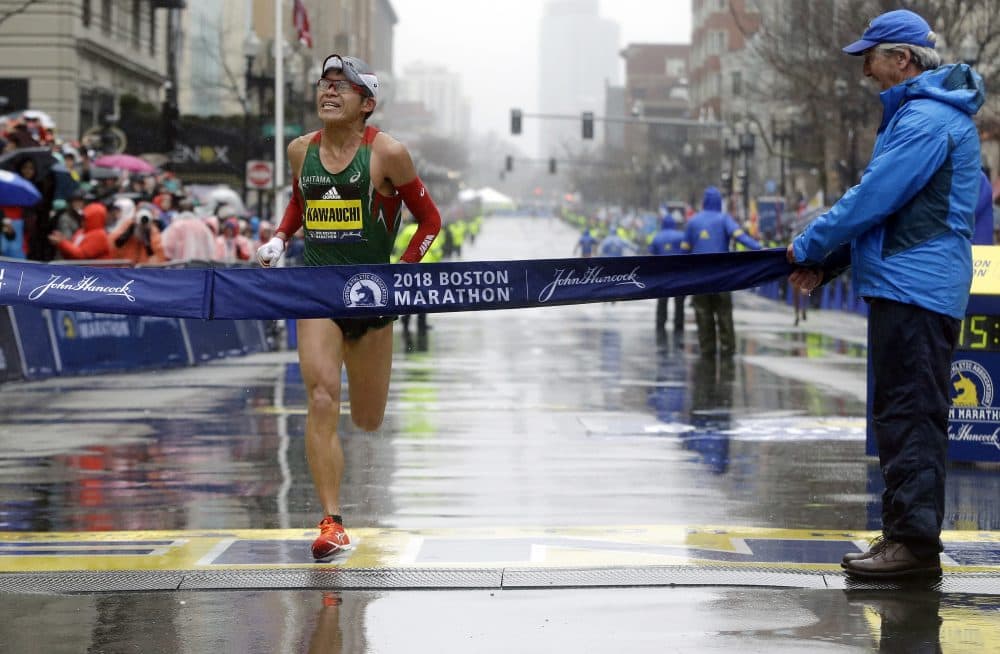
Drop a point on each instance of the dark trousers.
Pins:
(714, 314)
(661, 313)
(421, 321)
(911, 351)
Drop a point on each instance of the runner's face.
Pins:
(337, 105)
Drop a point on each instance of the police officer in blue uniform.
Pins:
(667, 242)
(709, 231)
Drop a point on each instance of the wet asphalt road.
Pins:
(532, 622)
(562, 416)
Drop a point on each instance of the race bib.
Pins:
(334, 215)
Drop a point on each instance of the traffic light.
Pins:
(515, 121)
(552, 166)
(588, 124)
(510, 163)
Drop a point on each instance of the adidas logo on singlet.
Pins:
(331, 194)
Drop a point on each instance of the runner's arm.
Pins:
(292, 220)
(399, 170)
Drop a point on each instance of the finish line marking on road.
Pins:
(623, 546)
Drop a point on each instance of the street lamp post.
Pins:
(850, 116)
(251, 48)
(781, 133)
(296, 72)
(747, 144)
(731, 147)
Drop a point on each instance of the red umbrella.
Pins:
(124, 162)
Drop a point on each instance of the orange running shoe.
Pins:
(332, 539)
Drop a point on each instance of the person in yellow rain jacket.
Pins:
(474, 226)
(456, 230)
(434, 255)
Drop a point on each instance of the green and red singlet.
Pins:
(346, 220)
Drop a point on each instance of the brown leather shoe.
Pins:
(893, 561)
(874, 547)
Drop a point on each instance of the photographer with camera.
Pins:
(90, 241)
(136, 236)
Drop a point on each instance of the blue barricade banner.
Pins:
(95, 342)
(216, 339)
(251, 335)
(10, 355)
(39, 355)
(389, 289)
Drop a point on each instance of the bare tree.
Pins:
(798, 45)
(211, 46)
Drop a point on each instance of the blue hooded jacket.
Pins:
(907, 225)
(668, 240)
(711, 230)
(983, 231)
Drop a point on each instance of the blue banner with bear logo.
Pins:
(372, 290)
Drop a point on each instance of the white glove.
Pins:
(269, 253)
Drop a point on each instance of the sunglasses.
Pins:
(338, 85)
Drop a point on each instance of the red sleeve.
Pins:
(418, 201)
(292, 220)
(94, 245)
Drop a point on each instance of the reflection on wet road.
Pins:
(554, 416)
(639, 620)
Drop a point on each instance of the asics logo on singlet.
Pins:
(355, 177)
(332, 194)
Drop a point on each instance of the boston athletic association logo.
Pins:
(971, 385)
(365, 290)
(972, 419)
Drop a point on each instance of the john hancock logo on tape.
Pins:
(972, 417)
(89, 284)
(593, 275)
(365, 290)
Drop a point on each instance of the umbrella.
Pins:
(43, 158)
(212, 197)
(125, 162)
(16, 191)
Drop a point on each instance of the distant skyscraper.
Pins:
(440, 91)
(578, 59)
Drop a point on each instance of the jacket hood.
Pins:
(712, 200)
(669, 222)
(95, 215)
(955, 84)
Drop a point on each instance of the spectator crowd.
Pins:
(88, 212)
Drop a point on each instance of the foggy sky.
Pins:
(494, 46)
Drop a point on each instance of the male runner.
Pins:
(361, 175)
